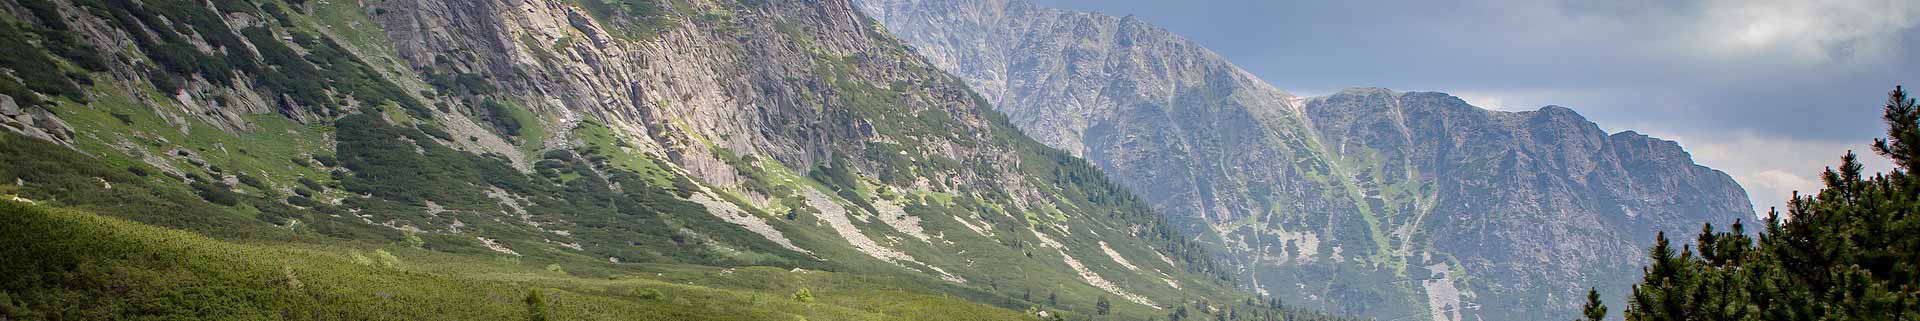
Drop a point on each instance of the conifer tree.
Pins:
(1594, 310)
(1903, 136)
(1850, 251)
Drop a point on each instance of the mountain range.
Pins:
(773, 160)
(550, 159)
(1393, 205)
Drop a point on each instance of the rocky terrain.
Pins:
(1371, 202)
(793, 134)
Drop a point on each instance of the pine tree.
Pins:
(1903, 136)
(1102, 306)
(1847, 252)
(1594, 310)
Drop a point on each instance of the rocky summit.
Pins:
(1392, 205)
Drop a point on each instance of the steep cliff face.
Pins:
(1527, 203)
(1387, 204)
(788, 133)
(1153, 109)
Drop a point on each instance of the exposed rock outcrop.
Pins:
(708, 132)
(1349, 201)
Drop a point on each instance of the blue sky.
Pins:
(1771, 91)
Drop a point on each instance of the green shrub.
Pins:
(217, 194)
(310, 184)
(413, 240)
(386, 259)
(326, 160)
(36, 70)
(501, 117)
(803, 296)
(436, 132)
(649, 294)
(11, 309)
(537, 307)
(249, 180)
(301, 201)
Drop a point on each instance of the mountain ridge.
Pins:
(1365, 201)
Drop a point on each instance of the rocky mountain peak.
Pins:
(1366, 201)
(1364, 91)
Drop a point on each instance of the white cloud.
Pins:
(1488, 101)
(1819, 31)
(1777, 182)
(1804, 32)
(1752, 33)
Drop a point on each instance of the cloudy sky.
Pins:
(1771, 91)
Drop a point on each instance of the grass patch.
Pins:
(71, 264)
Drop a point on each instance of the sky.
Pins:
(1770, 91)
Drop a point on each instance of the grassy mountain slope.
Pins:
(80, 265)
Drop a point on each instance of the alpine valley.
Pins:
(548, 160)
(772, 160)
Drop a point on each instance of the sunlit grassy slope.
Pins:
(78, 265)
